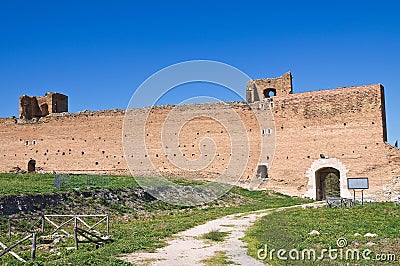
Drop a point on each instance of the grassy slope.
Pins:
(289, 229)
(133, 235)
(140, 231)
(12, 184)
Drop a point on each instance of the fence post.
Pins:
(76, 238)
(33, 253)
(9, 227)
(42, 217)
(108, 226)
(75, 232)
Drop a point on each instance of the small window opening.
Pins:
(266, 131)
(270, 92)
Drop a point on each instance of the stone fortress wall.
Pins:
(342, 129)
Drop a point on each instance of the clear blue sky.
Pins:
(99, 52)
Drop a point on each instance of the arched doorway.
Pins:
(314, 170)
(327, 183)
(31, 166)
(262, 171)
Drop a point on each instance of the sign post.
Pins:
(358, 183)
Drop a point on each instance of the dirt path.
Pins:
(187, 247)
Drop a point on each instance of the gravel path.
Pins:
(187, 247)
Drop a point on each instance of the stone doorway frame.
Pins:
(326, 163)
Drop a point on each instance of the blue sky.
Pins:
(99, 52)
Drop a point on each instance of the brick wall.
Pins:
(347, 124)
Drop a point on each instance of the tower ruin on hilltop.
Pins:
(259, 89)
(35, 106)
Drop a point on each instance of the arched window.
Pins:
(31, 166)
(270, 92)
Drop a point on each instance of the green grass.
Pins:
(13, 184)
(146, 229)
(218, 259)
(148, 233)
(289, 229)
(215, 235)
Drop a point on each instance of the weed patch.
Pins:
(215, 235)
(218, 259)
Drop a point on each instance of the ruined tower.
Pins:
(34, 106)
(259, 89)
